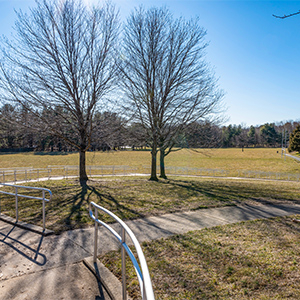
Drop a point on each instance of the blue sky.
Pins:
(255, 56)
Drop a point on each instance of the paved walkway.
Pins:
(37, 267)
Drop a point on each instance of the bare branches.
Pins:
(63, 56)
(287, 16)
(166, 79)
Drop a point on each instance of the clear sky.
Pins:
(255, 56)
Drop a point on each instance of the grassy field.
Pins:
(133, 197)
(248, 260)
(267, 160)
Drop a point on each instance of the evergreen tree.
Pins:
(251, 135)
(269, 134)
(295, 140)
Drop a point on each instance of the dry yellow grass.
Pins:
(133, 197)
(267, 160)
(248, 260)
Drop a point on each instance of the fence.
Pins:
(52, 172)
(65, 172)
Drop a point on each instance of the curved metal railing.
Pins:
(142, 272)
(17, 195)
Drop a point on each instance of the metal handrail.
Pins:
(17, 195)
(143, 272)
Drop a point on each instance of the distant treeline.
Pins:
(22, 130)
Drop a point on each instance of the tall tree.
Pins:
(269, 134)
(251, 136)
(109, 129)
(8, 129)
(294, 144)
(62, 56)
(166, 79)
(203, 135)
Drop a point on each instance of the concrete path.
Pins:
(37, 267)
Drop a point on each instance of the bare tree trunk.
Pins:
(162, 163)
(153, 162)
(82, 170)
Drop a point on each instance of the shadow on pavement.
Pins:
(33, 255)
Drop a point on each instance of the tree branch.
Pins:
(287, 16)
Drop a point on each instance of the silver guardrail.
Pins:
(142, 272)
(17, 195)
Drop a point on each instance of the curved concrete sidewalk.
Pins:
(37, 267)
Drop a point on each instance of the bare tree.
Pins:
(202, 134)
(62, 56)
(166, 79)
(110, 130)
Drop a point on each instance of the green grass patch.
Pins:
(133, 197)
(248, 260)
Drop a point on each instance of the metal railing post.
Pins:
(123, 258)
(44, 225)
(96, 235)
(17, 195)
(17, 211)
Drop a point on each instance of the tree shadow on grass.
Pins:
(53, 153)
(233, 194)
(69, 207)
(218, 194)
(74, 209)
(106, 199)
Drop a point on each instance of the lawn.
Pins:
(248, 260)
(266, 159)
(135, 197)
